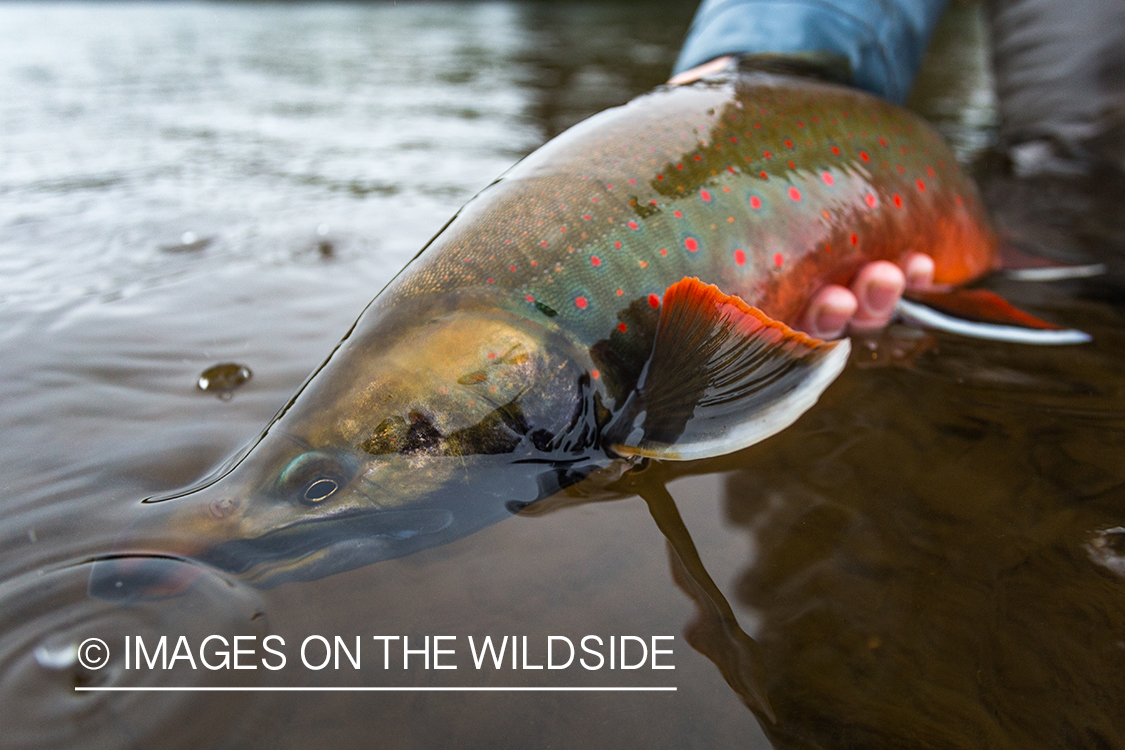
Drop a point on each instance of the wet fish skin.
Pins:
(491, 371)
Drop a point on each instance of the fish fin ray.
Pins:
(722, 376)
(978, 313)
(1022, 265)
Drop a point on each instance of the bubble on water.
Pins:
(57, 655)
(223, 378)
(322, 230)
(188, 238)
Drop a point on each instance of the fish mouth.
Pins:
(310, 550)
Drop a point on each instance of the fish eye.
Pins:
(313, 477)
(321, 489)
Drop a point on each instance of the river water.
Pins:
(933, 556)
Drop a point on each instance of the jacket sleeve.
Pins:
(882, 40)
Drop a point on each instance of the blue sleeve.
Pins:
(883, 40)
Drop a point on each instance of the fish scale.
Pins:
(745, 184)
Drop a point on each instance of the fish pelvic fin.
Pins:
(722, 376)
(978, 313)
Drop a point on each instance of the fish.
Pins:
(625, 293)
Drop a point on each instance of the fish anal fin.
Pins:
(722, 376)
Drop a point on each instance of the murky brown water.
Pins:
(934, 556)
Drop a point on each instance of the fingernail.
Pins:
(830, 323)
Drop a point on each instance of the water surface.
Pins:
(934, 556)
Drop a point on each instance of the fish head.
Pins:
(408, 437)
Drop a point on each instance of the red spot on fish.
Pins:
(870, 200)
(664, 251)
(492, 355)
(854, 238)
(828, 180)
(836, 150)
(957, 199)
(580, 303)
(788, 143)
(827, 248)
(900, 168)
(800, 124)
(792, 165)
(929, 170)
(653, 300)
(562, 229)
(660, 177)
(595, 374)
(778, 259)
(704, 195)
(740, 257)
(733, 139)
(595, 261)
(512, 268)
(653, 202)
(587, 217)
(767, 154)
(609, 187)
(697, 157)
(898, 200)
(921, 185)
(731, 170)
(725, 188)
(679, 166)
(691, 244)
(617, 244)
(632, 181)
(543, 243)
(492, 281)
(622, 327)
(758, 125)
(529, 298)
(755, 202)
(863, 155)
(678, 214)
(633, 225)
(882, 141)
(534, 262)
(620, 292)
(795, 194)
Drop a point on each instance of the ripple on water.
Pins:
(46, 616)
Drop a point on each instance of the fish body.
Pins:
(623, 291)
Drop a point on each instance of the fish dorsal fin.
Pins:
(978, 313)
(722, 376)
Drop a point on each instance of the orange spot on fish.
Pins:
(620, 292)
(957, 199)
(642, 263)
(492, 355)
(921, 185)
(580, 303)
(595, 374)
(778, 259)
(828, 179)
(691, 244)
(740, 257)
(870, 200)
(795, 194)
(882, 141)
(929, 170)
(622, 327)
(653, 300)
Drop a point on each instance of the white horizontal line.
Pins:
(219, 689)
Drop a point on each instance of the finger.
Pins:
(828, 312)
(877, 287)
(712, 66)
(919, 270)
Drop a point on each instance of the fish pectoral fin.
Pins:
(978, 313)
(722, 376)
